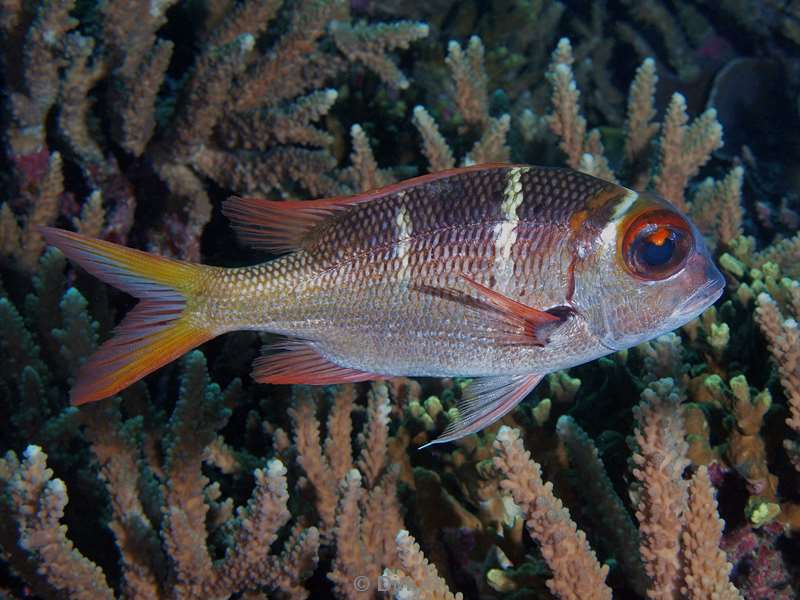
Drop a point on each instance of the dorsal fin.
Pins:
(281, 226)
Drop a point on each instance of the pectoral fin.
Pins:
(486, 400)
(515, 323)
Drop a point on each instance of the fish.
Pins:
(499, 273)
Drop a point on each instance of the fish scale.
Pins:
(502, 273)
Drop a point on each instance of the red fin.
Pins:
(154, 333)
(151, 335)
(486, 400)
(278, 225)
(302, 363)
(285, 225)
(532, 325)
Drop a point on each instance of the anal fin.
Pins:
(298, 362)
(486, 400)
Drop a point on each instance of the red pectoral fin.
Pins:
(299, 362)
(525, 324)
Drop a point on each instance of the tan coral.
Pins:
(584, 151)
(364, 168)
(607, 509)
(784, 344)
(684, 148)
(417, 577)
(566, 121)
(577, 574)
(707, 569)
(434, 146)
(23, 242)
(661, 497)
(716, 207)
(469, 81)
(31, 527)
(639, 126)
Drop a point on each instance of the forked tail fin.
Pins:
(158, 330)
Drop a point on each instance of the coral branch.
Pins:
(434, 146)
(639, 126)
(783, 337)
(469, 81)
(416, 577)
(577, 574)
(614, 522)
(684, 148)
(706, 567)
(661, 502)
(34, 502)
(566, 121)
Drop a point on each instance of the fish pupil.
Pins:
(657, 254)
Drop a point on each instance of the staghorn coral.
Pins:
(416, 577)
(576, 571)
(609, 512)
(32, 535)
(659, 459)
(707, 567)
(674, 519)
(357, 507)
(21, 244)
(163, 553)
(469, 90)
(726, 364)
(240, 116)
(683, 149)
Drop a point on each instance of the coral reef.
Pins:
(668, 470)
(240, 114)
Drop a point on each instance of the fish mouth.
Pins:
(702, 297)
(691, 308)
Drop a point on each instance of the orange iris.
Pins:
(656, 244)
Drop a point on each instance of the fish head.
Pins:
(646, 271)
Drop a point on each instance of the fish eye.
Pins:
(657, 244)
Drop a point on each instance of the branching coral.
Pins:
(608, 511)
(659, 460)
(469, 89)
(683, 149)
(164, 552)
(109, 106)
(357, 507)
(240, 116)
(416, 577)
(680, 532)
(576, 570)
(32, 534)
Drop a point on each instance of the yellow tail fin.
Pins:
(157, 331)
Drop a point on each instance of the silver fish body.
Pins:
(503, 273)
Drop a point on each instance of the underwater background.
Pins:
(677, 461)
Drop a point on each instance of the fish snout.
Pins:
(706, 285)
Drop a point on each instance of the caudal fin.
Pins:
(157, 331)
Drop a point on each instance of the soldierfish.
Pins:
(501, 273)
